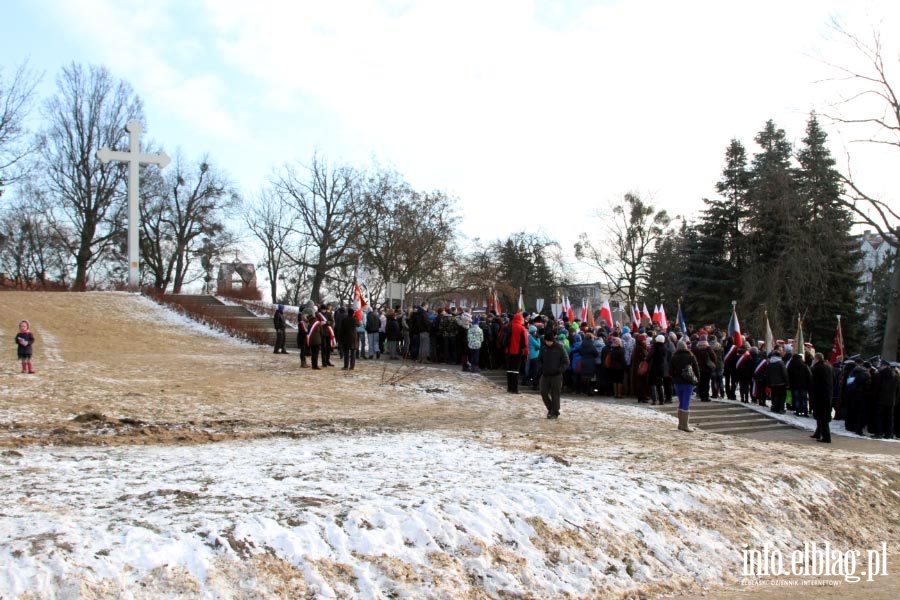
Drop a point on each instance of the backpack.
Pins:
(504, 337)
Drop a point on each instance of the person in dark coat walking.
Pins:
(280, 330)
(554, 361)
(302, 342)
(821, 389)
(777, 379)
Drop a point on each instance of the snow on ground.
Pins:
(379, 515)
(155, 313)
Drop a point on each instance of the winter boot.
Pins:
(30, 369)
(512, 382)
(303, 364)
(683, 416)
(24, 367)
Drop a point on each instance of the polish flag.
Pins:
(606, 313)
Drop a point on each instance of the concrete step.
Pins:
(205, 299)
(771, 426)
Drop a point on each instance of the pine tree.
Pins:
(833, 255)
(719, 256)
(774, 276)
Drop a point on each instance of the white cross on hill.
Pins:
(134, 158)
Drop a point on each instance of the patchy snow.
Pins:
(153, 313)
(447, 511)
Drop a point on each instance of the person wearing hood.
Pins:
(280, 330)
(588, 355)
(474, 341)
(516, 349)
(615, 370)
(638, 381)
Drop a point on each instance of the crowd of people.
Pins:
(652, 365)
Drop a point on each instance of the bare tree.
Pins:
(876, 95)
(634, 229)
(86, 198)
(194, 202)
(407, 234)
(16, 142)
(271, 221)
(327, 202)
(29, 249)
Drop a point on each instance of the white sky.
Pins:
(534, 114)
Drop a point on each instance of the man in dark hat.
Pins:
(821, 392)
(554, 360)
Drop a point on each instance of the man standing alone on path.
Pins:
(820, 391)
(280, 330)
(554, 360)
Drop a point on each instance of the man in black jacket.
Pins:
(777, 379)
(821, 391)
(554, 361)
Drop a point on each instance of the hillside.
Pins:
(151, 457)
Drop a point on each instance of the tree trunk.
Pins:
(892, 323)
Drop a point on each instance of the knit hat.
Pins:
(660, 339)
(281, 308)
(532, 329)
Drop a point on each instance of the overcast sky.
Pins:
(534, 114)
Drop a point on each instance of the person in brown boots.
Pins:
(685, 375)
(24, 346)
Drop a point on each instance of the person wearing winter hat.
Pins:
(658, 368)
(554, 361)
(24, 346)
(280, 330)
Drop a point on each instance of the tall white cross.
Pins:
(134, 158)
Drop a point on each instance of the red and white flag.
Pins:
(655, 317)
(663, 321)
(645, 314)
(606, 313)
(584, 310)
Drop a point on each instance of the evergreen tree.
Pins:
(775, 276)
(831, 254)
(719, 257)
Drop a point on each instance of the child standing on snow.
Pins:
(24, 344)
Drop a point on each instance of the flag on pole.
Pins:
(770, 339)
(590, 314)
(655, 317)
(635, 317)
(837, 350)
(798, 339)
(570, 312)
(679, 319)
(497, 304)
(521, 301)
(734, 329)
(584, 310)
(645, 314)
(358, 296)
(606, 313)
(663, 321)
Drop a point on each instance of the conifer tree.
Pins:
(775, 276)
(832, 253)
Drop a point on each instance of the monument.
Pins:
(134, 158)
